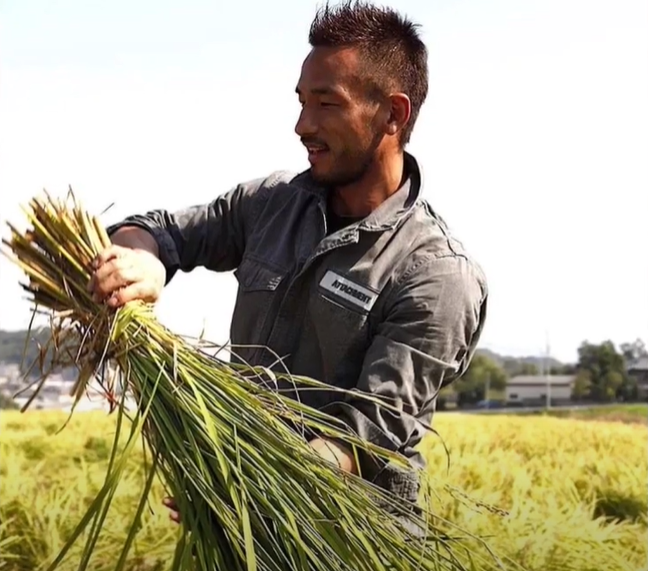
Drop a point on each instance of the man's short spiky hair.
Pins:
(388, 42)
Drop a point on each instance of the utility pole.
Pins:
(547, 371)
(486, 394)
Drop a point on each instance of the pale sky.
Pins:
(534, 140)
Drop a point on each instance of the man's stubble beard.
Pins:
(354, 169)
(355, 166)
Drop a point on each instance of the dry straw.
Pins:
(251, 492)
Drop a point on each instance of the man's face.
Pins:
(339, 124)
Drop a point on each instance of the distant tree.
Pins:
(511, 365)
(518, 366)
(629, 390)
(604, 367)
(582, 385)
(527, 369)
(482, 372)
(446, 395)
(7, 403)
(633, 351)
(514, 366)
(567, 369)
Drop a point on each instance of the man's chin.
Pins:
(321, 175)
(333, 179)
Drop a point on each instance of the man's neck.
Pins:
(363, 197)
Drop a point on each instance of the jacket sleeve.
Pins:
(211, 235)
(433, 321)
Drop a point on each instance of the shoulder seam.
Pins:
(443, 226)
(430, 257)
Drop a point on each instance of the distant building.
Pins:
(638, 370)
(532, 389)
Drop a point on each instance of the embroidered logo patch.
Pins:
(351, 292)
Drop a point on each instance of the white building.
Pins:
(532, 389)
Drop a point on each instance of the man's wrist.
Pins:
(135, 238)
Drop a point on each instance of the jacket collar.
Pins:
(392, 210)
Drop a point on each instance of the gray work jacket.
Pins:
(392, 305)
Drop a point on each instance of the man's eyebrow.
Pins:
(319, 91)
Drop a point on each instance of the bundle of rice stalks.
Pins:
(251, 492)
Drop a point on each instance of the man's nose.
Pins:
(306, 126)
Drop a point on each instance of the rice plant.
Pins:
(252, 494)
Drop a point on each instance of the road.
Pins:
(516, 410)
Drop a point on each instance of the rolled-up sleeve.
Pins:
(208, 235)
(433, 320)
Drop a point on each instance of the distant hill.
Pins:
(12, 347)
(525, 365)
(12, 344)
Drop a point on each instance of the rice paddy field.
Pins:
(573, 490)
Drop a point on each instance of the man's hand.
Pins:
(331, 451)
(125, 274)
(170, 503)
(335, 453)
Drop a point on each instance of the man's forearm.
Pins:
(136, 238)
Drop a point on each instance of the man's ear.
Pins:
(400, 112)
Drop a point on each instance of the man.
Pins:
(343, 270)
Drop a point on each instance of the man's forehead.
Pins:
(332, 69)
(345, 56)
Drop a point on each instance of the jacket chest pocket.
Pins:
(343, 332)
(256, 300)
(254, 276)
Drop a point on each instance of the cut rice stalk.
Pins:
(252, 494)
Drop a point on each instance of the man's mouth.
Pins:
(316, 152)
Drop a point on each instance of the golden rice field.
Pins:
(575, 490)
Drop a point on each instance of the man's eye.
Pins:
(327, 104)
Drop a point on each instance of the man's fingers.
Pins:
(108, 254)
(136, 290)
(111, 276)
(114, 284)
(112, 265)
(125, 275)
(105, 263)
